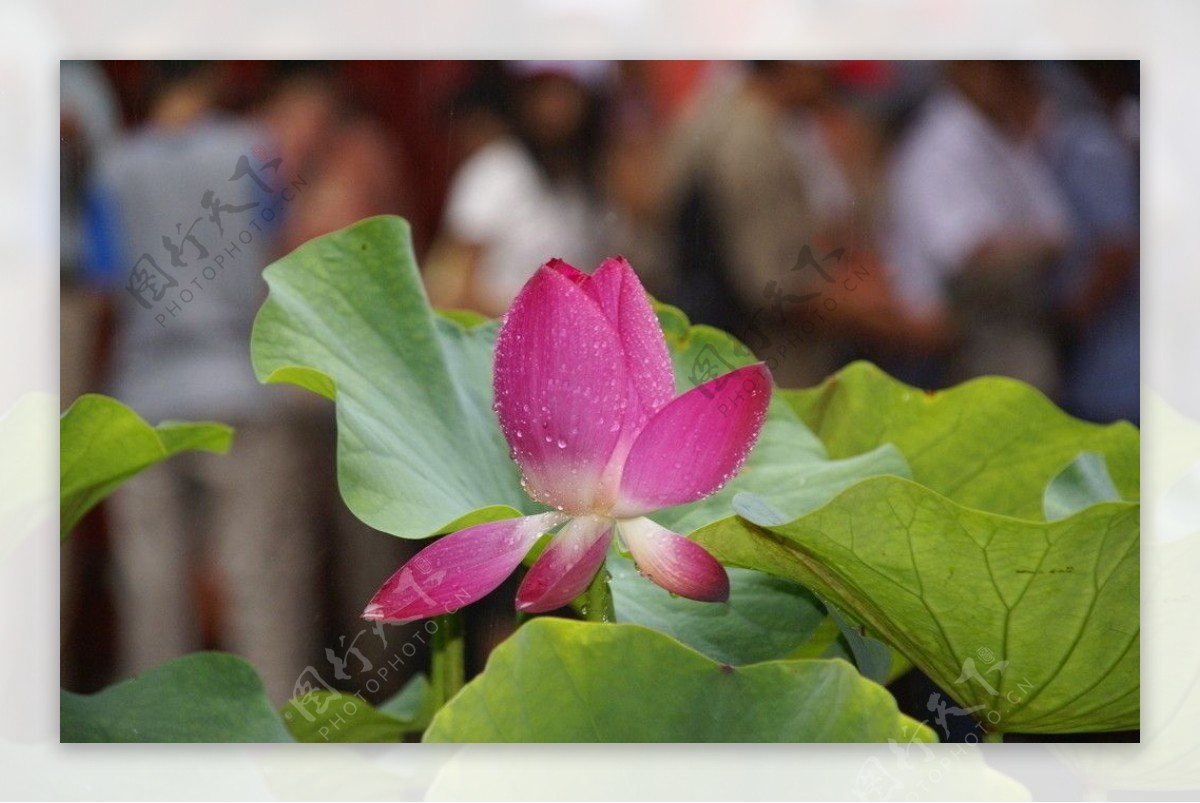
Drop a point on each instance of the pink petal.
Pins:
(621, 296)
(616, 288)
(568, 565)
(458, 569)
(651, 381)
(677, 564)
(570, 271)
(695, 444)
(560, 389)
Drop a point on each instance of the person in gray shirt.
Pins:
(182, 216)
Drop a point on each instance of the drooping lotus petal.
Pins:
(563, 571)
(560, 389)
(458, 569)
(695, 444)
(677, 564)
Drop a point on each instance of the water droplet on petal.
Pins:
(561, 443)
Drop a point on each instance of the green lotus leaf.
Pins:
(991, 443)
(202, 697)
(419, 448)
(103, 443)
(1034, 622)
(556, 680)
(324, 716)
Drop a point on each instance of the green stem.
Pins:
(598, 601)
(993, 736)
(447, 671)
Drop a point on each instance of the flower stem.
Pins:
(598, 601)
(447, 671)
(993, 736)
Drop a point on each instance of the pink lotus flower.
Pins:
(586, 399)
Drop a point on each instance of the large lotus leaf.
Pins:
(991, 443)
(1035, 622)
(556, 680)
(323, 716)
(419, 449)
(203, 697)
(103, 443)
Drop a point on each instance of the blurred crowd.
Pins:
(944, 220)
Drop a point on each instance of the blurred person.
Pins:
(529, 191)
(646, 102)
(203, 545)
(974, 224)
(344, 155)
(478, 115)
(1097, 293)
(481, 112)
(764, 213)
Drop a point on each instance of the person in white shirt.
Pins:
(529, 194)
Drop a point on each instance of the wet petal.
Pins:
(560, 388)
(458, 569)
(695, 444)
(651, 381)
(678, 564)
(565, 569)
(617, 289)
(570, 271)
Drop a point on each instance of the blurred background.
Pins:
(942, 219)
